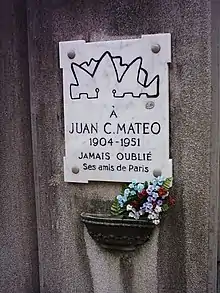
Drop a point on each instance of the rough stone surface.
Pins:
(176, 260)
(191, 117)
(214, 220)
(18, 233)
(123, 272)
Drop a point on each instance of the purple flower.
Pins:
(147, 207)
(150, 189)
(154, 195)
(159, 202)
(149, 199)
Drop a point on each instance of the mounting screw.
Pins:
(149, 105)
(155, 48)
(157, 173)
(75, 170)
(71, 54)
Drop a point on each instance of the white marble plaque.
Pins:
(116, 109)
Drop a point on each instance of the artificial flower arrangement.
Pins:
(147, 201)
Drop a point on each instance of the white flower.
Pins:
(134, 215)
(158, 209)
(150, 216)
(156, 222)
(153, 216)
(141, 212)
(129, 207)
(164, 196)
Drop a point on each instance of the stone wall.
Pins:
(181, 256)
(18, 229)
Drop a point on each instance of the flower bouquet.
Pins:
(148, 201)
(134, 214)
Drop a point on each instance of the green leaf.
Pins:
(167, 183)
(116, 209)
(124, 186)
(131, 198)
(165, 207)
(145, 185)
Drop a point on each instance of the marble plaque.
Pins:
(116, 109)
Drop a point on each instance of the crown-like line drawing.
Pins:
(88, 71)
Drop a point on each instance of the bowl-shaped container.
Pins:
(116, 233)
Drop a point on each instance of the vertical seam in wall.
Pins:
(214, 153)
(33, 138)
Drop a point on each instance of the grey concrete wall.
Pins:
(214, 247)
(18, 237)
(181, 256)
(177, 257)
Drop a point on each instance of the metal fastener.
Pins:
(71, 54)
(150, 105)
(155, 48)
(75, 170)
(157, 173)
